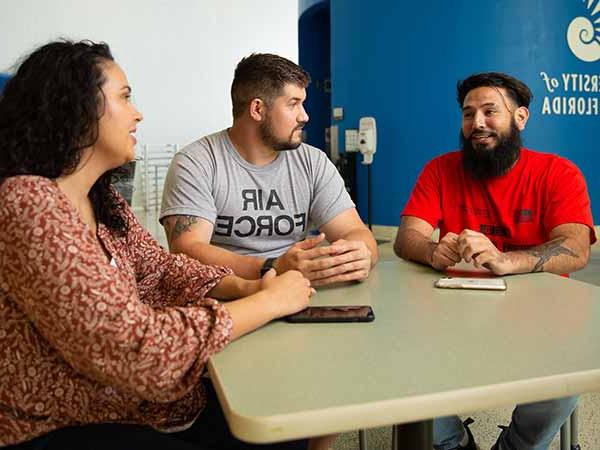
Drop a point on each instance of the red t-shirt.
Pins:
(517, 210)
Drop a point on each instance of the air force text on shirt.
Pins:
(275, 220)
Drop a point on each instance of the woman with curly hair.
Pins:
(104, 335)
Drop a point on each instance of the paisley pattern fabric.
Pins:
(83, 341)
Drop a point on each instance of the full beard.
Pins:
(484, 163)
(268, 137)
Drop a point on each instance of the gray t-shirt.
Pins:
(259, 211)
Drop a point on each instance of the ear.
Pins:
(521, 116)
(257, 109)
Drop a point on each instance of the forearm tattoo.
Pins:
(181, 225)
(548, 250)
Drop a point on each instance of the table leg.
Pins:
(362, 439)
(575, 429)
(413, 436)
(565, 436)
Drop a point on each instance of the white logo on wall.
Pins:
(576, 94)
(583, 34)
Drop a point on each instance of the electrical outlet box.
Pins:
(338, 113)
(351, 140)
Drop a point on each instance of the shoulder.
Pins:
(206, 147)
(201, 158)
(26, 199)
(32, 189)
(549, 162)
(27, 183)
(446, 163)
(453, 157)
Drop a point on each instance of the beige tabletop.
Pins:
(430, 352)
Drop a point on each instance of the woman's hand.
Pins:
(287, 293)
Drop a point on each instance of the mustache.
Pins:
(482, 133)
(300, 126)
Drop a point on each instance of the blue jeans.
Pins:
(532, 427)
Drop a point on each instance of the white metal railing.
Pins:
(150, 172)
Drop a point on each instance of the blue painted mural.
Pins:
(400, 61)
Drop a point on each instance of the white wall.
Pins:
(179, 55)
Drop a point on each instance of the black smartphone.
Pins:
(348, 313)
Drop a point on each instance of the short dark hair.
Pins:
(516, 90)
(263, 75)
(49, 113)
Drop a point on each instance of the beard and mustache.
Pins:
(484, 163)
(269, 138)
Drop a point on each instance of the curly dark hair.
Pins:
(516, 89)
(263, 75)
(49, 113)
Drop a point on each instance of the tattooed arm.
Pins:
(191, 235)
(567, 250)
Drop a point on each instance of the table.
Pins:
(429, 353)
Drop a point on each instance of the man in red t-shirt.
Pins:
(505, 208)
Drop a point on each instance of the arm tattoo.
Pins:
(548, 250)
(181, 225)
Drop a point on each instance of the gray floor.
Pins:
(485, 428)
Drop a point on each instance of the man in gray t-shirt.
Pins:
(255, 210)
(246, 197)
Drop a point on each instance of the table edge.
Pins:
(268, 429)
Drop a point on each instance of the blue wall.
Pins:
(314, 33)
(400, 61)
(3, 79)
(303, 5)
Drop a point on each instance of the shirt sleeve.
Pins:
(330, 197)
(164, 278)
(425, 199)
(188, 185)
(567, 199)
(52, 267)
